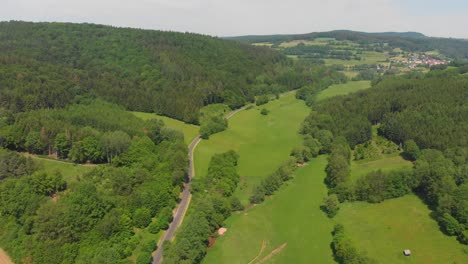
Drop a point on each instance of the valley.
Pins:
(137, 146)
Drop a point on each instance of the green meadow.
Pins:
(291, 216)
(343, 89)
(350, 74)
(387, 163)
(69, 171)
(262, 141)
(190, 131)
(384, 230)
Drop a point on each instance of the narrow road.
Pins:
(185, 199)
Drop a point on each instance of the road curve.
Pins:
(185, 199)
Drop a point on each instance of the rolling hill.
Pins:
(408, 41)
(48, 65)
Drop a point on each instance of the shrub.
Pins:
(264, 111)
(272, 183)
(313, 145)
(331, 205)
(412, 151)
(344, 250)
(144, 258)
(142, 217)
(236, 204)
(463, 237)
(262, 99)
(301, 154)
(449, 224)
(215, 125)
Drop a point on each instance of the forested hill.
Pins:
(47, 65)
(408, 41)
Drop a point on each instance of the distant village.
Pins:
(414, 61)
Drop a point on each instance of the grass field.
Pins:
(342, 89)
(290, 216)
(263, 142)
(294, 43)
(350, 74)
(70, 171)
(384, 230)
(190, 131)
(387, 163)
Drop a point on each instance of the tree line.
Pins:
(429, 111)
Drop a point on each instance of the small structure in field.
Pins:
(221, 231)
(407, 252)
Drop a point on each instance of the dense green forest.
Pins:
(50, 65)
(425, 116)
(410, 41)
(93, 218)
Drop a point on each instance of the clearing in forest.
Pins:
(343, 89)
(386, 163)
(190, 131)
(69, 171)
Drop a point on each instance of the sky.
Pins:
(447, 18)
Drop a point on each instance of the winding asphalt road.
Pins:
(185, 199)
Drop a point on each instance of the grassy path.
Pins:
(291, 216)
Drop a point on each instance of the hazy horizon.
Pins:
(254, 17)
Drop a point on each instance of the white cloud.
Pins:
(220, 17)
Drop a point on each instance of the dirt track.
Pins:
(4, 258)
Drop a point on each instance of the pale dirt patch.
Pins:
(54, 197)
(274, 252)
(211, 241)
(221, 231)
(4, 258)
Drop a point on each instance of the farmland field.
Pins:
(291, 216)
(190, 131)
(343, 89)
(368, 57)
(305, 42)
(350, 74)
(262, 141)
(384, 230)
